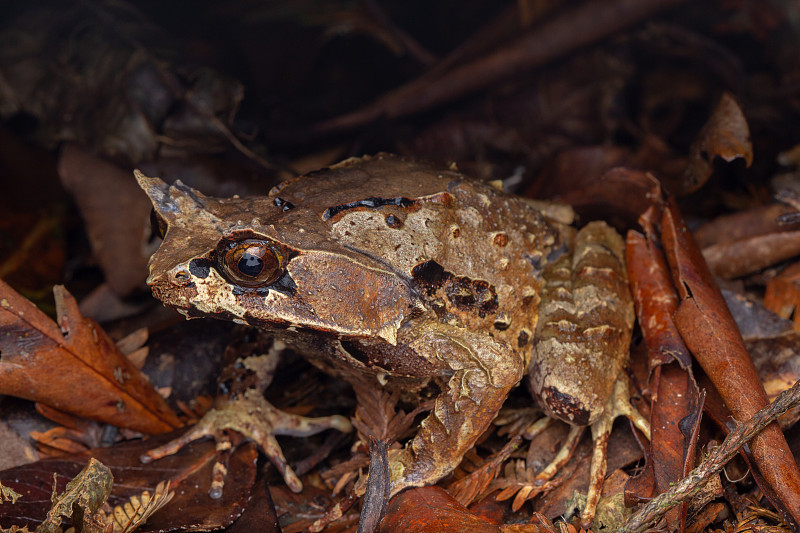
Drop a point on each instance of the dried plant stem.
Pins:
(691, 485)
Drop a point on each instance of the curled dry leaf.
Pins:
(675, 392)
(725, 135)
(694, 482)
(742, 225)
(707, 327)
(73, 366)
(753, 254)
(655, 301)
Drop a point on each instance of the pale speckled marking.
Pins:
(528, 291)
(564, 305)
(214, 293)
(368, 229)
(274, 296)
(598, 329)
(562, 324)
(470, 215)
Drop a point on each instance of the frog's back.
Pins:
(474, 253)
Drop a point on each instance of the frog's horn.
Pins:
(174, 203)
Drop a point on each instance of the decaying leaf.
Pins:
(82, 498)
(692, 484)
(433, 510)
(752, 254)
(675, 392)
(189, 471)
(8, 494)
(747, 241)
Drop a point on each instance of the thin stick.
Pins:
(689, 486)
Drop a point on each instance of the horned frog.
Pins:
(396, 271)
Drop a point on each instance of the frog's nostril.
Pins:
(181, 276)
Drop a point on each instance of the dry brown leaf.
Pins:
(469, 488)
(725, 135)
(708, 329)
(520, 483)
(73, 366)
(115, 212)
(376, 415)
(782, 296)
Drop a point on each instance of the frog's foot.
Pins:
(249, 416)
(618, 405)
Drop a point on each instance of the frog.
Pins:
(411, 275)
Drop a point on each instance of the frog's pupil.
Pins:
(250, 265)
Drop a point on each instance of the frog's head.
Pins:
(256, 260)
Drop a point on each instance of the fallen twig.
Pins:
(691, 485)
(580, 26)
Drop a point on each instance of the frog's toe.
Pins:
(562, 456)
(273, 450)
(618, 405)
(200, 430)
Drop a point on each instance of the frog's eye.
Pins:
(252, 263)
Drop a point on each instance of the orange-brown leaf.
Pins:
(782, 296)
(707, 327)
(467, 489)
(433, 510)
(75, 368)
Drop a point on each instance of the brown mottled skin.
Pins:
(412, 273)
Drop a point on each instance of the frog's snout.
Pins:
(174, 288)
